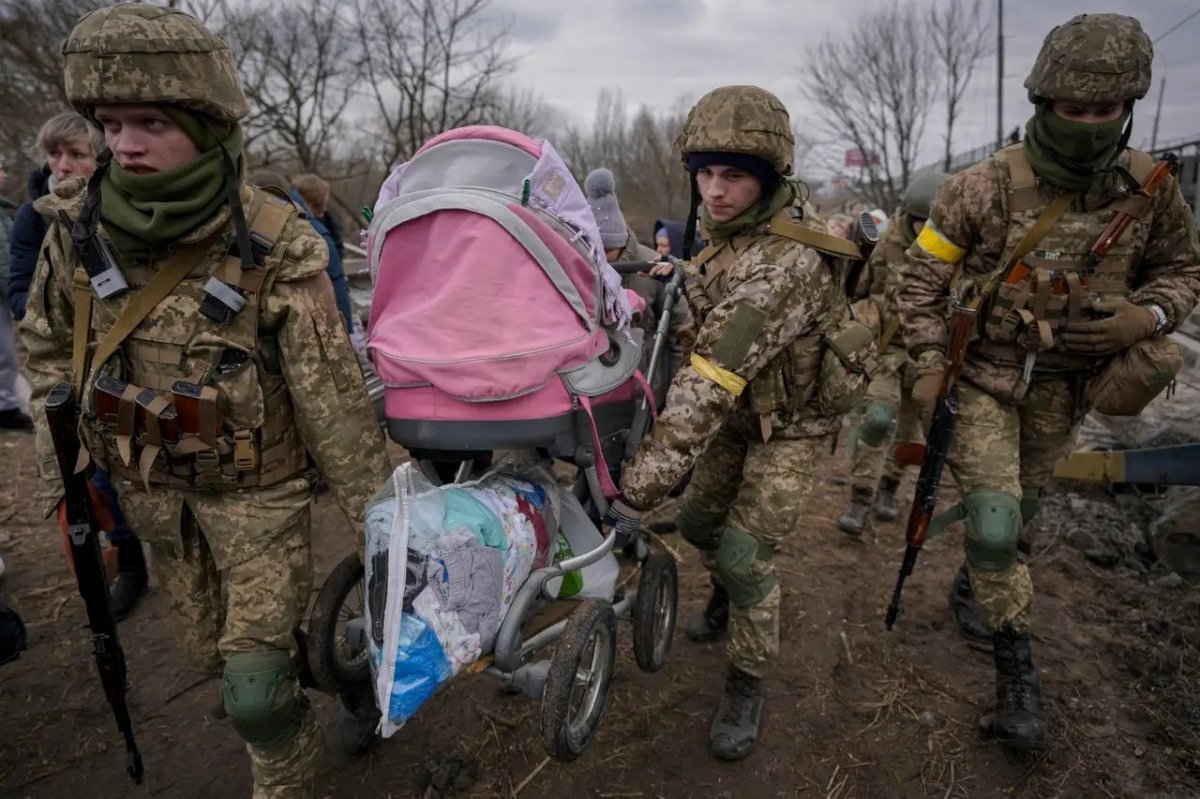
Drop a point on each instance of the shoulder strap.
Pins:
(824, 242)
(1023, 191)
(269, 215)
(1140, 165)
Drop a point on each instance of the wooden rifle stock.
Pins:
(1121, 222)
(936, 450)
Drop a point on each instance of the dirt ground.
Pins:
(853, 711)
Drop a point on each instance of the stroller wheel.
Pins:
(654, 612)
(336, 645)
(581, 672)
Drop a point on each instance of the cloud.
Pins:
(656, 51)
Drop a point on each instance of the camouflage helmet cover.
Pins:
(745, 120)
(1093, 58)
(918, 197)
(137, 53)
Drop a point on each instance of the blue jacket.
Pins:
(29, 230)
(341, 286)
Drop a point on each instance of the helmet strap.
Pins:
(241, 229)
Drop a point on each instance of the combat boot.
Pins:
(854, 520)
(734, 730)
(132, 579)
(1019, 721)
(357, 720)
(885, 509)
(966, 611)
(708, 624)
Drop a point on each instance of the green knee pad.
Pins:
(993, 522)
(735, 561)
(877, 421)
(700, 528)
(1031, 499)
(258, 691)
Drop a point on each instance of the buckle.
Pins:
(245, 454)
(260, 248)
(207, 462)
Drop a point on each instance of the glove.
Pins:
(1128, 325)
(624, 519)
(931, 364)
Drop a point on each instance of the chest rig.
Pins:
(174, 399)
(1028, 315)
(816, 373)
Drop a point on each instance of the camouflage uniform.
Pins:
(1011, 431)
(740, 411)
(232, 547)
(889, 414)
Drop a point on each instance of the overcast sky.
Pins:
(656, 51)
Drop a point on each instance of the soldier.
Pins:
(743, 409)
(889, 413)
(226, 290)
(1043, 337)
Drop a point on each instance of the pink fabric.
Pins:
(491, 132)
(580, 271)
(458, 305)
(606, 484)
(428, 403)
(647, 392)
(637, 303)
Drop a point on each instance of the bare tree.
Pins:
(429, 66)
(298, 67)
(874, 86)
(961, 36)
(31, 70)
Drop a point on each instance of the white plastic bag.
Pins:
(577, 534)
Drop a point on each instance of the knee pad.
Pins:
(736, 557)
(1031, 498)
(877, 421)
(993, 522)
(258, 692)
(700, 528)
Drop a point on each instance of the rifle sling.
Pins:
(1044, 224)
(139, 307)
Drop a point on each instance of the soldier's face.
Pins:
(144, 140)
(727, 191)
(1089, 113)
(71, 159)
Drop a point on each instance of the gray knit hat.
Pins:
(601, 189)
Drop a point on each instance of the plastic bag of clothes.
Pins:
(443, 564)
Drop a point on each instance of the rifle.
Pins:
(937, 447)
(62, 414)
(932, 456)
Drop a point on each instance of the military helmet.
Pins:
(745, 120)
(139, 53)
(918, 197)
(1093, 58)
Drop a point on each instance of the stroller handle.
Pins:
(633, 267)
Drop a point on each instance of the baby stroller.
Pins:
(488, 334)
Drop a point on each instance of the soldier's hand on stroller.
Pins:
(624, 519)
(664, 269)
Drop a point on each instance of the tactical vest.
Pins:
(238, 430)
(1030, 315)
(788, 390)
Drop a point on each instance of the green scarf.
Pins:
(142, 211)
(1072, 155)
(784, 196)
